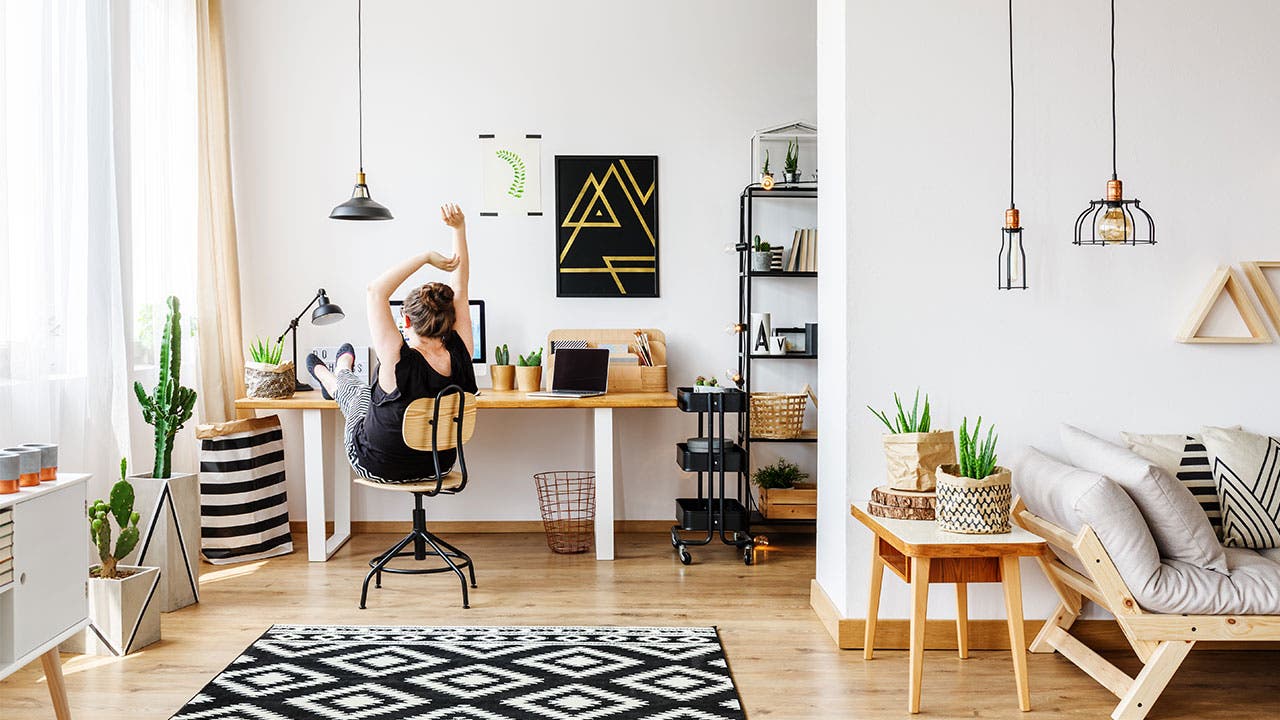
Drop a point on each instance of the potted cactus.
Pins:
(502, 372)
(529, 371)
(975, 494)
(122, 614)
(761, 255)
(172, 540)
(912, 449)
(791, 166)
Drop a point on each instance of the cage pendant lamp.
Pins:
(1013, 258)
(361, 205)
(1113, 220)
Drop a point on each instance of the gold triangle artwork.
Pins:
(1256, 271)
(1225, 281)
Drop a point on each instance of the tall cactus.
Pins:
(121, 508)
(169, 406)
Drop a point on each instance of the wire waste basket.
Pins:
(567, 499)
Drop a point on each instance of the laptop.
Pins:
(578, 373)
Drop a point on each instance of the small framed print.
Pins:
(795, 338)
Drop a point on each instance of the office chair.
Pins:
(442, 423)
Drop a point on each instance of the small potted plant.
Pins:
(791, 166)
(783, 492)
(912, 450)
(975, 494)
(766, 177)
(266, 376)
(703, 385)
(502, 372)
(761, 255)
(122, 614)
(529, 371)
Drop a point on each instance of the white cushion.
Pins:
(1246, 469)
(1181, 529)
(1185, 458)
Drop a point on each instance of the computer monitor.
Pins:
(478, 353)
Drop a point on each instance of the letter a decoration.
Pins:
(607, 226)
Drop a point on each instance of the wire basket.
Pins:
(778, 416)
(567, 499)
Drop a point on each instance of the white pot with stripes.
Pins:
(124, 613)
(170, 535)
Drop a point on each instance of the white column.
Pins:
(604, 482)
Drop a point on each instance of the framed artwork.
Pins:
(607, 226)
(511, 174)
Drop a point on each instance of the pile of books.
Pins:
(804, 252)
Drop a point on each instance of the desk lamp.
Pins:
(326, 313)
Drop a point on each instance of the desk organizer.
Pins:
(623, 377)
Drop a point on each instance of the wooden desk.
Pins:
(318, 413)
(919, 553)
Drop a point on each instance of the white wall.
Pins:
(1092, 342)
(688, 82)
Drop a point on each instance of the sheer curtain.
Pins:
(91, 220)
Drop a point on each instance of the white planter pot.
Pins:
(124, 616)
(170, 535)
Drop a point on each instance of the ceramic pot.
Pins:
(123, 616)
(28, 465)
(791, 177)
(170, 528)
(48, 460)
(761, 260)
(503, 377)
(8, 473)
(528, 379)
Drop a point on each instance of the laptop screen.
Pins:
(581, 369)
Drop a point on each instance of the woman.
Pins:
(436, 355)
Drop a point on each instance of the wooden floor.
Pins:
(785, 664)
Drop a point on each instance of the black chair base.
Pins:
(425, 545)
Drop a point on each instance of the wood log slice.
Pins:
(902, 504)
(899, 513)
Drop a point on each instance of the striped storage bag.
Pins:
(244, 513)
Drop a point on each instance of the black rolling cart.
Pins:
(713, 456)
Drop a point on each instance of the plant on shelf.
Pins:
(501, 355)
(791, 166)
(529, 371)
(780, 475)
(913, 450)
(975, 494)
(265, 376)
(101, 512)
(702, 384)
(170, 405)
(761, 255)
(766, 177)
(263, 351)
(502, 373)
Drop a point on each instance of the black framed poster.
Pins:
(607, 226)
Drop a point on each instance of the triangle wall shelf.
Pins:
(1225, 281)
(1266, 292)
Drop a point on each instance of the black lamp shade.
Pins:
(326, 313)
(361, 206)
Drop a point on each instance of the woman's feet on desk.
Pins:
(323, 375)
(346, 358)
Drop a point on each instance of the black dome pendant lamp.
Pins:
(361, 206)
(1112, 220)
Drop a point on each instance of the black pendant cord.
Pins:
(1114, 174)
(1011, 99)
(360, 78)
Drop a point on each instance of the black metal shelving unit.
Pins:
(712, 511)
(746, 277)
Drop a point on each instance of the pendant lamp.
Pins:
(1114, 220)
(361, 206)
(1013, 259)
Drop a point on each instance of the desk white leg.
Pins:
(604, 482)
(314, 468)
(341, 490)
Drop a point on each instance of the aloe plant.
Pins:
(501, 355)
(264, 351)
(533, 359)
(765, 169)
(792, 162)
(977, 461)
(120, 507)
(918, 421)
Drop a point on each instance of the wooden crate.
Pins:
(622, 377)
(796, 503)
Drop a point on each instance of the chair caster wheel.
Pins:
(685, 557)
(748, 555)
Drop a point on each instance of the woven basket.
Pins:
(778, 416)
(262, 380)
(974, 507)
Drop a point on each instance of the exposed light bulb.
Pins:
(1115, 226)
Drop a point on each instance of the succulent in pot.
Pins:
(912, 449)
(766, 177)
(265, 376)
(791, 166)
(502, 373)
(529, 371)
(975, 494)
(761, 255)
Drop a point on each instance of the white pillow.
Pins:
(1179, 526)
(1246, 469)
(1184, 457)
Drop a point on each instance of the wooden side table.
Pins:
(919, 553)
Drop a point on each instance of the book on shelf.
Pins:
(793, 254)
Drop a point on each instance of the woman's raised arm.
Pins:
(383, 330)
(452, 216)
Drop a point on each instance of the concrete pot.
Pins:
(503, 377)
(761, 260)
(529, 379)
(123, 614)
(170, 524)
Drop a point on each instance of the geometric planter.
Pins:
(123, 616)
(170, 535)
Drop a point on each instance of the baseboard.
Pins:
(401, 527)
(894, 633)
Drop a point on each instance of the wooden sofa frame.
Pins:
(1161, 642)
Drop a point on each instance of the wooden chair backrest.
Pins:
(419, 428)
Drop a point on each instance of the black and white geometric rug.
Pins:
(452, 673)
